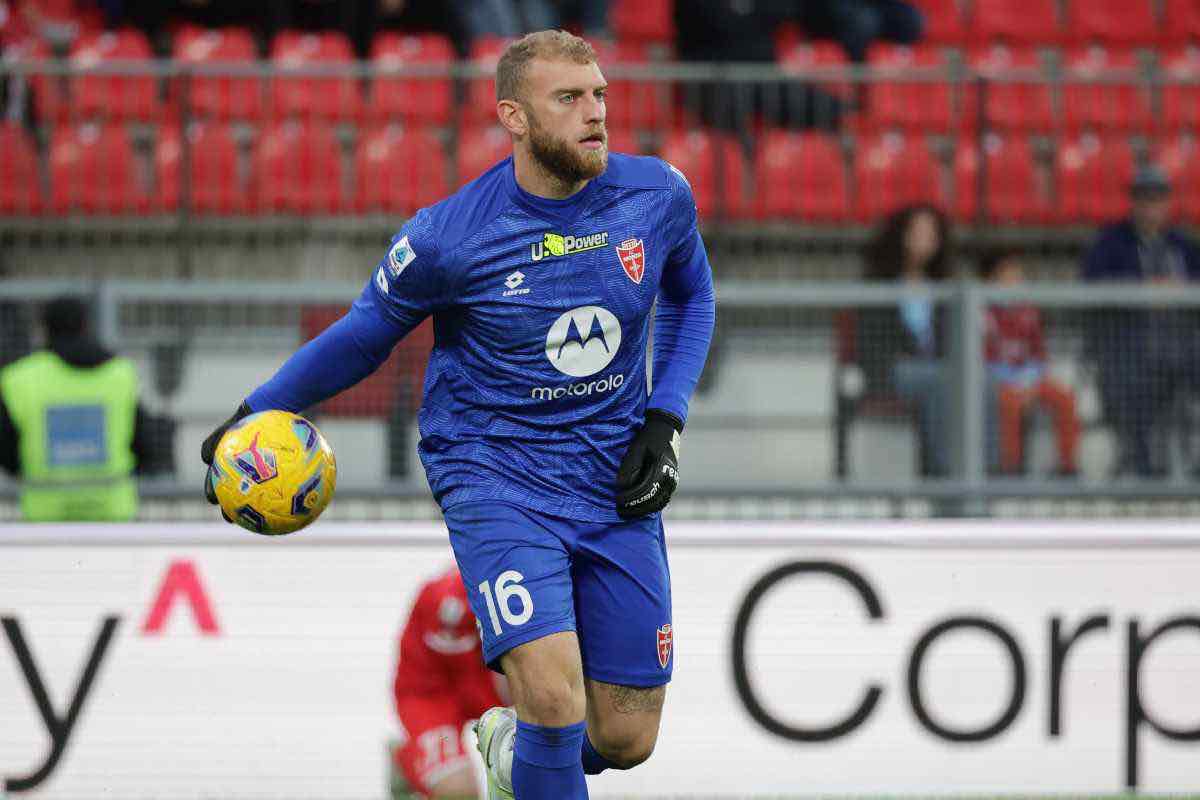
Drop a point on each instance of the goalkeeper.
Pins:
(547, 448)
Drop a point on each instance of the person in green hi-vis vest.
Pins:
(71, 427)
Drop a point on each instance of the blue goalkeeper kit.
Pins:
(537, 381)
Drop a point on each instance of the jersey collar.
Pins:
(567, 209)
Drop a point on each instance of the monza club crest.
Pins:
(633, 259)
(665, 638)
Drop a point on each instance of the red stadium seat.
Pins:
(214, 96)
(70, 18)
(644, 20)
(1181, 87)
(331, 97)
(481, 92)
(1017, 21)
(623, 141)
(479, 149)
(903, 100)
(1089, 102)
(398, 171)
(128, 96)
(20, 184)
(1012, 191)
(714, 167)
(1181, 21)
(1018, 89)
(426, 100)
(1127, 22)
(801, 176)
(93, 171)
(943, 21)
(397, 381)
(299, 170)
(1093, 176)
(1180, 159)
(633, 104)
(51, 97)
(797, 56)
(216, 185)
(892, 171)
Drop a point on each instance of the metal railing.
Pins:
(781, 396)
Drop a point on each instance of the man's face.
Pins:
(1152, 211)
(565, 105)
(1010, 272)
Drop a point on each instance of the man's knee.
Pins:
(623, 721)
(552, 700)
(624, 747)
(545, 678)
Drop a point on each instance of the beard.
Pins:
(562, 161)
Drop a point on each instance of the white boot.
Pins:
(496, 734)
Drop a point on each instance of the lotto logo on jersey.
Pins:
(555, 244)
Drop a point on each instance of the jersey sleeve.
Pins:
(686, 307)
(409, 282)
(405, 287)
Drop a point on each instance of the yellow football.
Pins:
(273, 472)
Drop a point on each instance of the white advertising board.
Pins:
(198, 661)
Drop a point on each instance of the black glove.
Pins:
(649, 472)
(209, 449)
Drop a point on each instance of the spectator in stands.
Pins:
(902, 346)
(405, 15)
(71, 427)
(741, 31)
(855, 24)
(590, 15)
(1144, 356)
(1015, 346)
(506, 18)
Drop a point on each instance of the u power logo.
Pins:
(583, 341)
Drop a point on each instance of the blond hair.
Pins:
(549, 45)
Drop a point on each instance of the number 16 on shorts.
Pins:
(507, 586)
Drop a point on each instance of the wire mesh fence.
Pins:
(818, 399)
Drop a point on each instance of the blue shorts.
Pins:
(529, 575)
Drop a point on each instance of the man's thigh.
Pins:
(623, 603)
(517, 572)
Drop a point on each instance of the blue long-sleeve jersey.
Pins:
(538, 376)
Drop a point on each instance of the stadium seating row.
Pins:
(303, 169)
(1022, 91)
(1094, 85)
(1038, 21)
(948, 21)
(244, 95)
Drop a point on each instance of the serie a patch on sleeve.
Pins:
(400, 256)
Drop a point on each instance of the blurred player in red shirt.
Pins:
(441, 684)
(1015, 345)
